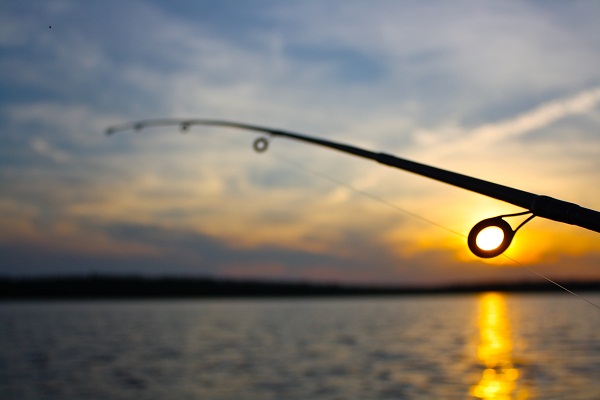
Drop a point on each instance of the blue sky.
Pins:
(503, 90)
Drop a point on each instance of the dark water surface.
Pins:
(488, 346)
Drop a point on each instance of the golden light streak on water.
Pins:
(499, 380)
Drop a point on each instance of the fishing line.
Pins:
(363, 193)
(553, 282)
(373, 197)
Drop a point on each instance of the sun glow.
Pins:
(490, 238)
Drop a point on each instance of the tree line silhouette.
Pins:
(95, 286)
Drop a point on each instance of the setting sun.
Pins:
(490, 238)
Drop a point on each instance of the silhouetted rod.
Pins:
(539, 205)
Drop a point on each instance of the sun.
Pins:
(490, 238)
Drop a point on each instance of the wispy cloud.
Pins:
(538, 118)
(456, 137)
(43, 148)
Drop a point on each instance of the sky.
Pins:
(507, 91)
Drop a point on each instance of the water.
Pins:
(442, 347)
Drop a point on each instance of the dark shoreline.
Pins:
(135, 287)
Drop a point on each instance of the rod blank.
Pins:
(540, 205)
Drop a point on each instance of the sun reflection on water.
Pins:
(500, 377)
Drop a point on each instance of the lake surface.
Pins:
(489, 346)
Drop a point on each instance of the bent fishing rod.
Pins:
(536, 205)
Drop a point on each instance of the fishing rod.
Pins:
(536, 205)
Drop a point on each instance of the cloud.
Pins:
(486, 135)
(43, 148)
(71, 124)
(538, 118)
